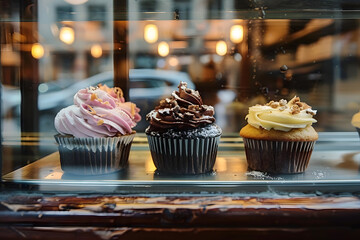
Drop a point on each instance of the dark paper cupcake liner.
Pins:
(183, 156)
(358, 130)
(278, 156)
(93, 156)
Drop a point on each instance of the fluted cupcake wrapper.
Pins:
(183, 155)
(278, 156)
(358, 130)
(93, 156)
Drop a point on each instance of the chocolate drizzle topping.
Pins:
(183, 110)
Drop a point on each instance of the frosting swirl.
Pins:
(98, 112)
(281, 115)
(183, 110)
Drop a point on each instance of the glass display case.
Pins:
(235, 53)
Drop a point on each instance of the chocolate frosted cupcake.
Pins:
(279, 137)
(182, 135)
(95, 134)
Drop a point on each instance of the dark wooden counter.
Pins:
(28, 216)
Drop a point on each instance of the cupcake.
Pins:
(355, 121)
(95, 134)
(279, 137)
(182, 135)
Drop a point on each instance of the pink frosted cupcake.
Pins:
(95, 134)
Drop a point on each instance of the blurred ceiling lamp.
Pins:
(67, 35)
(236, 33)
(76, 2)
(173, 61)
(37, 50)
(96, 50)
(221, 48)
(151, 33)
(163, 49)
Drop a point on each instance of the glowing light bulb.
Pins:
(96, 50)
(67, 35)
(163, 49)
(151, 33)
(221, 48)
(236, 33)
(37, 50)
(76, 2)
(173, 61)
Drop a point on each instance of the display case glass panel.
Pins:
(235, 53)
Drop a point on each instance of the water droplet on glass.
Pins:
(176, 14)
(283, 68)
(277, 91)
(262, 12)
(265, 90)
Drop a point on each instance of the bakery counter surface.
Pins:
(40, 216)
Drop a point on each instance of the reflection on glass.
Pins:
(173, 61)
(220, 164)
(151, 33)
(163, 49)
(221, 48)
(96, 50)
(37, 50)
(67, 35)
(149, 165)
(76, 2)
(236, 33)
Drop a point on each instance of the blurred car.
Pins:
(145, 84)
(147, 87)
(10, 99)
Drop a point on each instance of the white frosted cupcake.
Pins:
(279, 137)
(355, 121)
(95, 134)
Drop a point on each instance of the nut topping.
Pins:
(274, 105)
(282, 102)
(295, 109)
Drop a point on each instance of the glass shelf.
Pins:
(330, 169)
